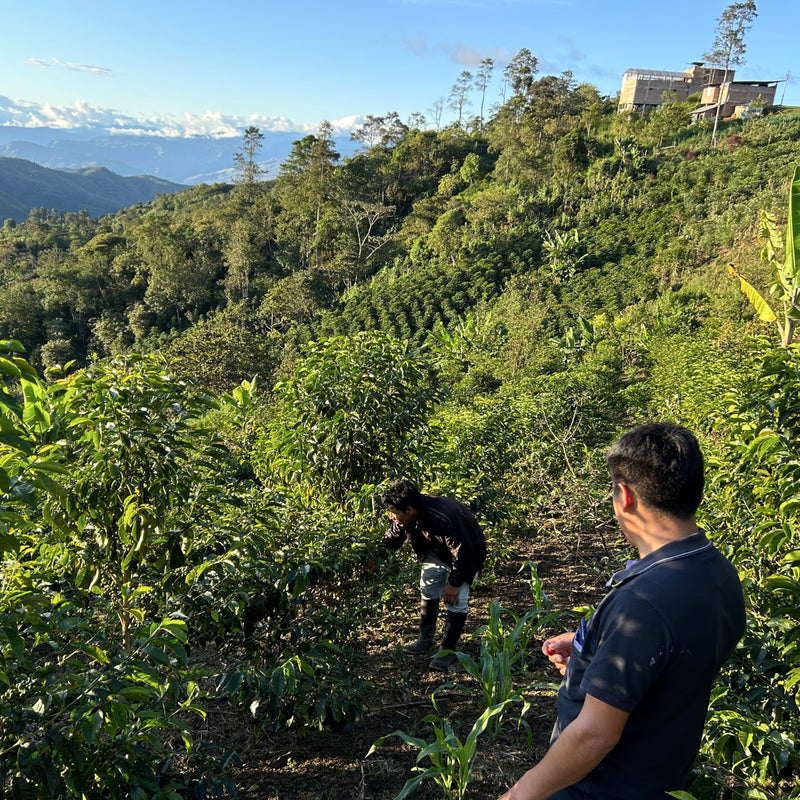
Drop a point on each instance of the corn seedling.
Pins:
(450, 759)
(504, 651)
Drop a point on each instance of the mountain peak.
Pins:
(25, 185)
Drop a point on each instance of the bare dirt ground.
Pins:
(291, 765)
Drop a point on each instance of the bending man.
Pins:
(452, 548)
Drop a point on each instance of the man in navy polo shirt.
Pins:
(638, 674)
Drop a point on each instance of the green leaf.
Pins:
(51, 466)
(8, 367)
(118, 713)
(36, 417)
(412, 783)
(23, 789)
(157, 655)
(177, 628)
(278, 682)
(765, 313)
(24, 367)
(15, 641)
(793, 229)
(95, 653)
(90, 726)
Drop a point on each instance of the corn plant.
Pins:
(450, 759)
(505, 649)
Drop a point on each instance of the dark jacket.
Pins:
(447, 529)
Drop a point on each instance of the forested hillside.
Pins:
(205, 394)
(95, 190)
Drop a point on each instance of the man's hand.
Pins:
(582, 745)
(451, 593)
(558, 650)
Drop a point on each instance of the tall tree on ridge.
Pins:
(436, 110)
(729, 48)
(248, 171)
(304, 188)
(248, 235)
(519, 74)
(482, 81)
(458, 94)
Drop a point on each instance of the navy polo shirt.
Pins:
(653, 648)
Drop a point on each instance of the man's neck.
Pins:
(661, 530)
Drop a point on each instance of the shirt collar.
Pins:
(680, 548)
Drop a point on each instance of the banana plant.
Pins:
(786, 282)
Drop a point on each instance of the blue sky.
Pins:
(213, 67)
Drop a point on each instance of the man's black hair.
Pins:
(402, 494)
(663, 464)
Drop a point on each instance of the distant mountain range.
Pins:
(104, 171)
(25, 185)
(180, 159)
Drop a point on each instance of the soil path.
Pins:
(333, 766)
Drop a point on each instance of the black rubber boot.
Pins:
(455, 625)
(429, 611)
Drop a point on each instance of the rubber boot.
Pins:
(429, 611)
(455, 624)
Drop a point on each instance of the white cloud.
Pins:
(91, 68)
(95, 70)
(458, 52)
(213, 124)
(467, 56)
(572, 51)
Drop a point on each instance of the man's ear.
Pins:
(628, 498)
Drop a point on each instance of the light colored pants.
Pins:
(433, 580)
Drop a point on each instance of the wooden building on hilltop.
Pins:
(735, 99)
(644, 90)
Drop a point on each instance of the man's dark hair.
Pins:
(663, 464)
(402, 494)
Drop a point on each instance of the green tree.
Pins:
(447, 234)
(482, 79)
(352, 414)
(459, 95)
(247, 233)
(383, 131)
(728, 48)
(175, 268)
(83, 699)
(226, 348)
(519, 74)
(669, 119)
(139, 500)
(295, 298)
(362, 216)
(21, 313)
(558, 94)
(31, 456)
(248, 170)
(304, 189)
